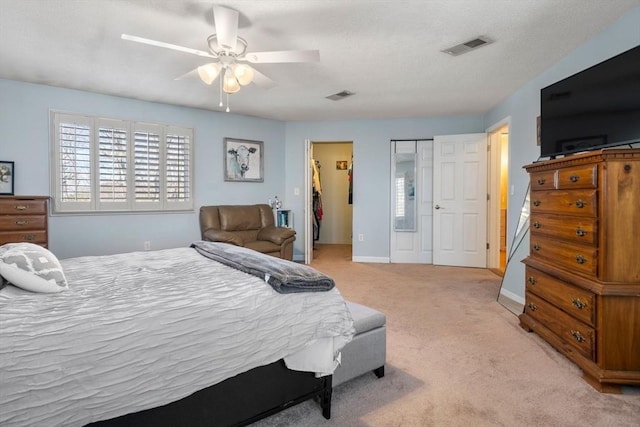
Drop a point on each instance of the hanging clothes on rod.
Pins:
(317, 199)
(350, 178)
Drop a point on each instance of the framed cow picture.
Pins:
(6, 178)
(243, 160)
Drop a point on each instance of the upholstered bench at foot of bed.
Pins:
(368, 349)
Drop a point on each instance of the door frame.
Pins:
(494, 191)
(308, 196)
(308, 224)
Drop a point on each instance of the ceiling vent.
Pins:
(340, 95)
(468, 46)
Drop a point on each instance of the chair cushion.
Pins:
(262, 246)
(240, 218)
(365, 318)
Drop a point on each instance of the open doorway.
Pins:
(330, 196)
(498, 192)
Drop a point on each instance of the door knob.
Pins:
(437, 207)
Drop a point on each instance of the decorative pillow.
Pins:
(31, 267)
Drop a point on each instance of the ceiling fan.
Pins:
(230, 55)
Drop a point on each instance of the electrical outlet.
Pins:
(361, 237)
(147, 245)
(296, 191)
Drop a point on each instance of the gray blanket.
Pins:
(283, 275)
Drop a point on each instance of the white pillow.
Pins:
(31, 267)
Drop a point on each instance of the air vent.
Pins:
(340, 95)
(468, 46)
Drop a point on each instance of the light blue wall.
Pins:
(523, 106)
(372, 162)
(24, 121)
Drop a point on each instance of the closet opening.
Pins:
(331, 196)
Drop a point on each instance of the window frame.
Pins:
(167, 133)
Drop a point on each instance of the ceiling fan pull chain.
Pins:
(221, 104)
(228, 103)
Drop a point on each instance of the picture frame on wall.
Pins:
(243, 160)
(7, 173)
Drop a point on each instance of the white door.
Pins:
(414, 246)
(460, 200)
(308, 203)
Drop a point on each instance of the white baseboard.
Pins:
(512, 302)
(512, 296)
(371, 259)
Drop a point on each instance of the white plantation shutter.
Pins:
(112, 171)
(117, 165)
(147, 161)
(178, 173)
(72, 171)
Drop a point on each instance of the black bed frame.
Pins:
(236, 401)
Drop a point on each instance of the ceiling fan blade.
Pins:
(226, 22)
(167, 45)
(261, 80)
(189, 75)
(283, 56)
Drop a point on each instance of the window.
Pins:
(107, 165)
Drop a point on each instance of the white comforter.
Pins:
(139, 330)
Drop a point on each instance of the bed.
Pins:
(160, 337)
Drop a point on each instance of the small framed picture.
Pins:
(341, 165)
(243, 160)
(7, 171)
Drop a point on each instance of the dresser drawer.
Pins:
(577, 177)
(545, 180)
(574, 202)
(31, 236)
(578, 258)
(23, 222)
(570, 330)
(572, 228)
(579, 303)
(23, 206)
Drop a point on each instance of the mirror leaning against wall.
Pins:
(514, 270)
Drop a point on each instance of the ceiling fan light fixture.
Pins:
(208, 72)
(230, 83)
(243, 73)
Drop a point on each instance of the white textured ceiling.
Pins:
(386, 51)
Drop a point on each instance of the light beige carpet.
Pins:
(455, 357)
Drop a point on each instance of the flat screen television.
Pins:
(595, 108)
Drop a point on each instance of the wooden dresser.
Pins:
(583, 269)
(24, 219)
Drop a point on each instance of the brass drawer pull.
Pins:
(22, 222)
(580, 232)
(578, 303)
(536, 247)
(541, 181)
(532, 280)
(537, 225)
(580, 204)
(29, 237)
(574, 178)
(580, 259)
(536, 203)
(20, 207)
(532, 306)
(578, 336)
